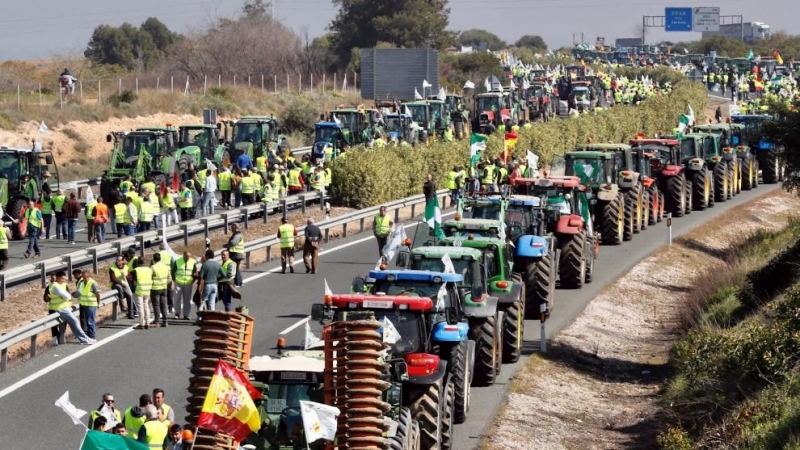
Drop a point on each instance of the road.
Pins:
(129, 363)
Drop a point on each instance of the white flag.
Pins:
(425, 84)
(344, 83)
(417, 96)
(328, 290)
(448, 264)
(440, 297)
(74, 413)
(43, 128)
(487, 85)
(210, 165)
(407, 111)
(469, 85)
(89, 196)
(533, 163)
(691, 116)
(319, 421)
(310, 338)
(336, 119)
(394, 243)
(390, 333)
(502, 232)
(442, 94)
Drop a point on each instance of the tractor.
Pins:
(495, 107)
(607, 169)
(767, 158)
(328, 141)
(541, 103)
(257, 136)
(450, 341)
(422, 115)
(141, 154)
(358, 124)
(198, 144)
(667, 167)
(735, 153)
(566, 218)
(14, 197)
(716, 162)
(398, 126)
(426, 386)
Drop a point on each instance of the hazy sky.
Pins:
(44, 28)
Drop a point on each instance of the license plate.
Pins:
(374, 304)
(276, 405)
(293, 376)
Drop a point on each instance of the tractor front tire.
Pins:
(770, 172)
(16, 210)
(514, 329)
(458, 361)
(748, 173)
(612, 222)
(700, 190)
(721, 186)
(402, 437)
(572, 264)
(538, 286)
(677, 195)
(427, 410)
(631, 202)
(485, 332)
(447, 416)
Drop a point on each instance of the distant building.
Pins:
(628, 42)
(748, 32)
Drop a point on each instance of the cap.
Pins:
(187, 436)
(46, 173)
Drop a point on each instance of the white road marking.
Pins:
(299, 322)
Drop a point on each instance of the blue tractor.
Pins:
(768, 158)
(328, 139)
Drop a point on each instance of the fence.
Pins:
(32, 330)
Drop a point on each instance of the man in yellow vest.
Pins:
(453, 182)
(261, 165)
(58, 209)
(235, 246)
(147, 212)
(118, 276)
(286, 233)
(143, 277)
(225, 187)
(119, 216)
(106, 408)
(295, 180)
(47, 214)
(248, 188)
(88, 301)
(183, 273)
(158, 292)
(5, 234)
(185, 201)
(317, 179)
(164, 409)
(136, 416)
(381, 228)
(34, 218)
(60, 301)
(225, 281)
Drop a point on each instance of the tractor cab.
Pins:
(490, 107)
(398, 125)
(423, 116)
(15, 163)
(664, 151)
(198, 143)
(561, 195)
(752, 135)
(255, 136)
(328, 140)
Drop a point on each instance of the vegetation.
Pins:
(456, 68)
(783, 132)
(788, 45)
(476, 38)
(130, 47)
(533, 42)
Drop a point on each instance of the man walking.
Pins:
(182, 273)
(58, 208)
(61, 302)
(286, 234)
(429, 188)
(72, 211)
(88, 301)
(158, 293)
(47, 214)
(210, 272)
(88, 211)
(5, 233)
(185, 202)
(235, 246)
(381, 227)
(100, 220)
(227, 275)
(225, 177)
(131, 217)
(34, 218)
(118, 275)
(311, 246)
(143, 276)
(210, 193)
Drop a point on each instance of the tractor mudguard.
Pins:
(696, 164)
(570, 224)
(608, 195)
(442, 332)
(484, 309)
(743, 152)
(508, 295)
(471, 358)
(728, 153)
(529, 246)
(647, 181)
(671, 170)
(440, 373)
(629, 182)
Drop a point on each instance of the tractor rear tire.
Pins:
(16, 210)
(677, 195)
(572, 264)
(653, 205)
(748, 173)
(644, 218)
(770, 172)
(485, 332)
(427, 410)
(661, 204)
(589, 261)
(734, 178)
(458, 360)
(402, 437)
(721, 186)
(613, 221)
(447, 416)
(538, 286)
(700, 190)
(631, 203)
(514, 329)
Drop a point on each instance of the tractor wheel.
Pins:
(748, 173)
(677, 195)
(770, 170)
(756, 168)
(689, 195)
(514, 329)
(653, 205)
(427, 410)
(538, 286)
(458, 361)
(16, 210)
(612, 222)
(646, 207)
(589, 261)
(661, 206)
(415, 443)
(572, 264)
(447, 416)
(733, 178)
(721, 186)
(701, 189)
(631, 203)
(402, 437)
(484, 331)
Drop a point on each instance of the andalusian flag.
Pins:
(433, 216)
(682, 124)
(98, 440)
(509, 143)
(229, 406)
(477, 144)
(750, 55)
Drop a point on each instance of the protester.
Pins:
(209, 193)
(135, 416)
(72, 211)
(381, 227)
(100, 221)
(158, 401)
(158, 292)
(34, 218)
(286, 234)
(88, 294)
(99, 423)
(5, 234)
(153, 432)
(143, 276)
(118, 275)
(60, 301)
(182, 272)
(235, 246)
(106, 407)
(119, 429)
(227, 275)
(311, 246)
(175, 438)
(210, 272)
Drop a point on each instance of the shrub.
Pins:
(124, 97)
(300, 116)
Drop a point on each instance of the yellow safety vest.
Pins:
(56, 302)
(201, 177)
(318, 181)
(186, 200)
(160, 276)
(129, 219)
(168, 202)
(224, 181)
(294, 178)
(33, 219)
(58, 202)
(117, 414)
(125, 186)
(47, 206)
(287, 235)
(148, 210)
(144, 281)
(261, 164)
(166, 258)
(132, 195)
(256, 177)
(132, 424)
(248, 186)
(328, 177)
(450, 180)
(382, 225)
(121, 274)
(227, 266)
(85, 295)
(183, 270)
(488, 175)
(3, 238)
(120, 214)
(239, 248)
(276, 184)
(149, 186)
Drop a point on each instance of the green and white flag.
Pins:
(682, 124)
(97, 440)
(433, 216)
(477, 144)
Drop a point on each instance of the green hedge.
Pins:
(368, 177)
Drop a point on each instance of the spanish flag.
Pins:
(778, 57)
(229, 406)
(509, 143)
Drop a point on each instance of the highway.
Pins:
(128, 363)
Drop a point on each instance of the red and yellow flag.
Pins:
(778, 57)
(509, 143)
(229, 406)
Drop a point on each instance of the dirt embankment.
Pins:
(598, 386)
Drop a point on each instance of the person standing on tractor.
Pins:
(34, 218)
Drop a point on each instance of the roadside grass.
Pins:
(736, 380)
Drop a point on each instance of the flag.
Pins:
(344, 83)
(336, 119)
(89, 196)
(682, 124)
(74, 413)
(98, 440)
(389, 331)
(319, 421)
(417, 96)
(750, 55)
(487, 85)
(433, 216)
(533, 163)
(310, 338)
(210, 165)
(407, 111)
(477, 144)
(509, 143)
(776, 54)
(469, 85)
(328, 290)
(442, 94)
(691, 117)
(440, 297)
(43, 128)
(425, 84)
(229, 406)
(394, 242)
(448, 264)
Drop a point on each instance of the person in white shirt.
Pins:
(210, 193)
(61, 302)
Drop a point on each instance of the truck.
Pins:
(15, 163)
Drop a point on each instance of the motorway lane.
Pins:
(129, 363)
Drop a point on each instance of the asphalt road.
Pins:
(129, 363)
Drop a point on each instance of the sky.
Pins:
(46, 28)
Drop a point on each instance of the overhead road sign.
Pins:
(705, 19)
(678, 19)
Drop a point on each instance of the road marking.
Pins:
(299, 322)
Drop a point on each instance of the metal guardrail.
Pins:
(32, 330)
(92, 255)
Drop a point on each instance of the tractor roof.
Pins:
(346, 110)
(256, 119)
(326, 125)
(381, 302)
(524, 200)
(604, 147)
(417, 103)
(589, 155)
(415, 275)
(551, 180)
(437, 251)
(713, 127)
(665, 142)
(7, 149)
(199, 125)
(289, 364)
(750, 117)
(475, 242)
(473, 224)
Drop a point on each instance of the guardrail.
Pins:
(92, 255)
(33, 329)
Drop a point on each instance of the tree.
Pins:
(723, 45)
(783, 133)
(534, 42)
(255, 8)
(128, 46)
(406, 24)
(476, 37)
(162, 36)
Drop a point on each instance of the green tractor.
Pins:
(357, 124)
(256, 136)
(140, 154)
(715, 164)
(422, 115)
(14, 195)
(742, 165)
(198, 143)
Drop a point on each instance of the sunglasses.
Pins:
(109, 401)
